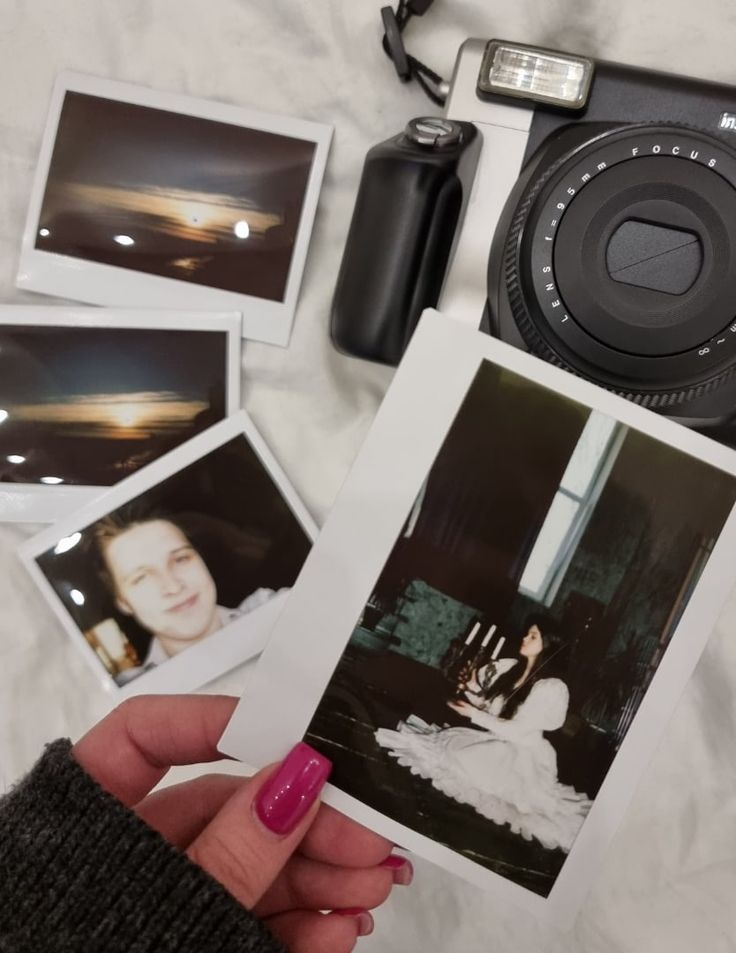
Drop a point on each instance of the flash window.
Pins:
(534, 74)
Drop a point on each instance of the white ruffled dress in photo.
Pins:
(507, 770)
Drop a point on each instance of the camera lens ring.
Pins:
(549, 326)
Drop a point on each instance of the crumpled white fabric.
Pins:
(669, 878)
(507, 771)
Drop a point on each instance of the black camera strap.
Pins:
(409, 67)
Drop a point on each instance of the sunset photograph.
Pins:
(193, 199)
(90, 406)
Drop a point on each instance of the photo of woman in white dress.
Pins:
(537, 518)
(503, 766)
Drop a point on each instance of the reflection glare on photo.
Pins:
(3, 416)
(125, 240)
(241, 229)
(51, 480)
(77, 597)
(44, 232)
(15, 458)
(66, 543)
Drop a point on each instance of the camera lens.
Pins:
(620, 262)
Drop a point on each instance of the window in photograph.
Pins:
(572, 507)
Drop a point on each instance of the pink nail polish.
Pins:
(401, 868)
(289, 793)
(365, 920)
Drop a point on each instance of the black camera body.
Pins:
(412, 194)
(600, 234)
(615, 254)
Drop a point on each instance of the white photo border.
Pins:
(97, 283)
(35, 503)
(372, 507)
(218, 653)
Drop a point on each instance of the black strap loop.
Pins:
(394, 45)
(407, 66)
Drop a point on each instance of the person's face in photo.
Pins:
(161, 580)
(532, 643)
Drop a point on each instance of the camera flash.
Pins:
(527, 72)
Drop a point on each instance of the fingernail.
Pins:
(365, 920)
(401, 868)
(289, 793)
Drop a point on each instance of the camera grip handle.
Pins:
(398, 246)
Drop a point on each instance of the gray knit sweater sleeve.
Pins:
(81, 872)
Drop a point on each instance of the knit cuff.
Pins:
(81, 872)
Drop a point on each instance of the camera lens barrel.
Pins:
(620, 262)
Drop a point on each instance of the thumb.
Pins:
(253, 835)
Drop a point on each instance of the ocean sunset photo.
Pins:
(175, 195)
(91, 405)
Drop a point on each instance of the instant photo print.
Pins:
(499, 616)
(151, 199)
(89, 396)
(178, 573)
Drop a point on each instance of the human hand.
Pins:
(463, 708)
(287, 858)
(475, 699)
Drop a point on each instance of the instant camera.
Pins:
(582, 210)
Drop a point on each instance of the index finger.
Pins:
(131, 749)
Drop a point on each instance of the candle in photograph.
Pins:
(473, 632)
(498, 647)
(488, 636)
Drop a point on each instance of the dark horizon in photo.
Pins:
(91, 405)
(538, 512)
(155, 191)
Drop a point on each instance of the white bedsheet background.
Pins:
(670, 876)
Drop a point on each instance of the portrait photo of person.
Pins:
(507, 771)
(187, 561)
(515, 626)
(159, 579)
